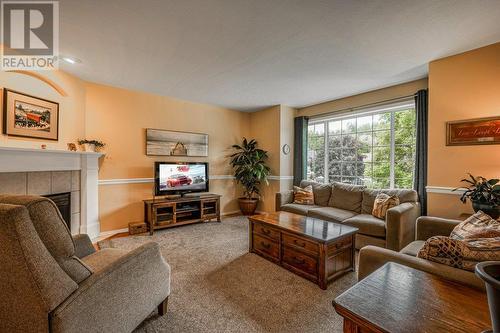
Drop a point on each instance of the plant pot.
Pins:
(489, 272)
(88, 147)
(248, 206)
(493, 211)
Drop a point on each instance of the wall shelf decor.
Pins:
(169, 143)
(480, 131)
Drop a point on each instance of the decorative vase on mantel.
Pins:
(89, 147)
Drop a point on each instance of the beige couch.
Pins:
(372, 257)
(51, 282)
(352, 205)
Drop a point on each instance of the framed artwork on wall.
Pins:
(480, 131)
(174, 143)
(29, 116)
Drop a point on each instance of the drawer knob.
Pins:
(301, 244)
(265, 245)
(299, 260)
(265, 231)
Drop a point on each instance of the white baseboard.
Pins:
(109, 233)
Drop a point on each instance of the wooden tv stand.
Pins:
(165, 213)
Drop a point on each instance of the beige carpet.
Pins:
(217, 286)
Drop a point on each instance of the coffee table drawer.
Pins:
(301, 243)
(300, 261)
(266, 231)
(339, 245)
(266, 246)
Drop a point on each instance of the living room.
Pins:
(129, 178)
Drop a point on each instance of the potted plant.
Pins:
(483, 193)
(250, 170)
(91, 145)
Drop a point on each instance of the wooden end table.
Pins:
(317, 250)
(400, 299)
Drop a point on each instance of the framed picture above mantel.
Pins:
(29, 116)
(480, 131)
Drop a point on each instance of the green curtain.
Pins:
(300, 149)
(420, 176)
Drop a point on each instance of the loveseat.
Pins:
(352, 205)
(372, 257)
(51, 282)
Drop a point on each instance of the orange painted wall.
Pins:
(119, 117)
(462, 86)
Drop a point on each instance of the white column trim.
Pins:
(443, 190)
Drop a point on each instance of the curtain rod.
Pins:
(340, 111)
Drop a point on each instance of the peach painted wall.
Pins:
(71, 106)
(462, 86)
(119, 117)
(272, 128)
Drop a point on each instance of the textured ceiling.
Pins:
(249, 54)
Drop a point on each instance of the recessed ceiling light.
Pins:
(70, 60)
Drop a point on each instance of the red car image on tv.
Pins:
(178, 180)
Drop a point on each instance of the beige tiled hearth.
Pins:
(44, 183)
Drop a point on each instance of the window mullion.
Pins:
(326, 129)
(392, 151)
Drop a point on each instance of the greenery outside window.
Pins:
(373, 147)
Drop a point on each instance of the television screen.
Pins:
(181, 177)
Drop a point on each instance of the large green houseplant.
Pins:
(250, 170)
(483, 193)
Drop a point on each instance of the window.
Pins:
(373, 147)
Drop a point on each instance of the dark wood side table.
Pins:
(400, 299)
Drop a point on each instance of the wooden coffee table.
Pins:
(400, 299)
(317, 250)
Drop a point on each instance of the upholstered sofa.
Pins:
(372, 257)
(51, 282)
(352, 205)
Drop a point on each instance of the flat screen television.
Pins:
(180, 177)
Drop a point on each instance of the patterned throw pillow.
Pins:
(479, 225)
(464, 254)
(303, 196)
(382, 203)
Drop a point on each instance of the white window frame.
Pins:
(393, 107)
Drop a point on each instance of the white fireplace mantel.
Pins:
(14, 159)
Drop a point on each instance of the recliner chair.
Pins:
(52, 282)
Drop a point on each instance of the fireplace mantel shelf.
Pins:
(53, 151)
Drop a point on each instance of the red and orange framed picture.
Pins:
(480, 131)
(29, 116)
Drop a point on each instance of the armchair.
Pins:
(372, 257)
(51, 282)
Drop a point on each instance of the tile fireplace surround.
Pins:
(42, 172)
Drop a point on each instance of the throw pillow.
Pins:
(479, 225)
(463, 254)
(382, 203)
(303, 196)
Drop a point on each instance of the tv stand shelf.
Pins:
(165, 213)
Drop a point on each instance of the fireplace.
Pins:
(63, 203)
(32, 171)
